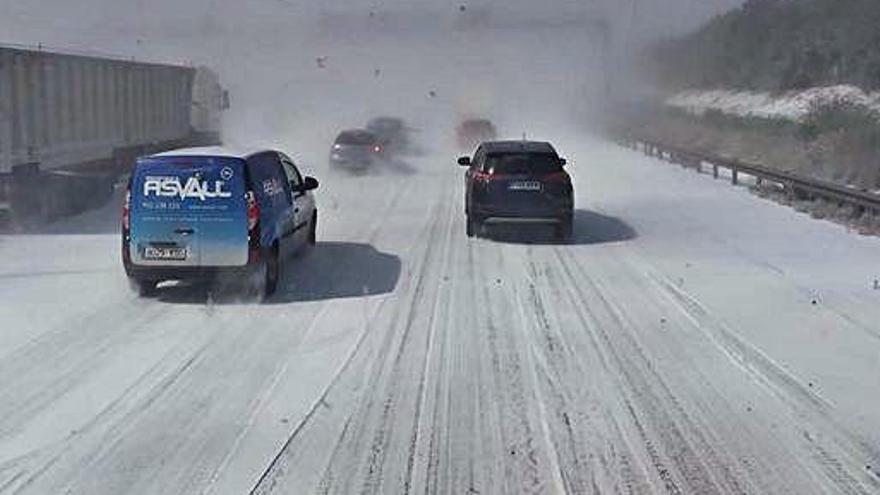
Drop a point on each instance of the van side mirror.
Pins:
(310, 184)
(465, 161)
(563, 162)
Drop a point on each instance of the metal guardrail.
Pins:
(794, 185)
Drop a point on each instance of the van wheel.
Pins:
(273, 271)
(313, 230)
(143, 288)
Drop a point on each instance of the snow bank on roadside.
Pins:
(791, 105)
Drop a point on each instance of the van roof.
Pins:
(212, 151)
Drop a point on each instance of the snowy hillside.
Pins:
(790, 105)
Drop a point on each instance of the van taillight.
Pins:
(126, 211)
(253, 211)
(482, 176)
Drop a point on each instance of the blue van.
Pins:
(206, 213)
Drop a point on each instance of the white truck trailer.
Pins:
(70, 125)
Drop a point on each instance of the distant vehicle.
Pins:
(356, 150)
(391, 132)
(472, 132)
(206, 213)
(517, 182)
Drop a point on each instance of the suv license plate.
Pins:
(525, 186)
(165, 253)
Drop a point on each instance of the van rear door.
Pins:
(188, 211)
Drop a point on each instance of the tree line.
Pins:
(777, 45)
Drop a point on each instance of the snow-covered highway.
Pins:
(693, 338)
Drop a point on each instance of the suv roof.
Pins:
(518, 147)
(385, 122)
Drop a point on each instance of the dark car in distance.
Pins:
(518, 182)
(470, 133)
(356, 150)
(391, 132)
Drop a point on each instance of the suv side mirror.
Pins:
(563, 161)
(465, 161)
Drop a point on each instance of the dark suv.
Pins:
(517, 182)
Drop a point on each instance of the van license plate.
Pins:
(525, 186)
(165, 253)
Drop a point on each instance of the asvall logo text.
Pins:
(170, 187)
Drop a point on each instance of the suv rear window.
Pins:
(522, 163)
(477, 126)
(358, 138)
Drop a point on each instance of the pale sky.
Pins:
(124, 26)
(265, 53)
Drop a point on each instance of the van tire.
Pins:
(273, 272)
(313, 231)
(143, 288)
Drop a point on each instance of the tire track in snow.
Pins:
(807, 405)
(80, 449)
(654, 399)
(370, 233)
(576, 382)
(36, 375)
(522, 458)
(368, 413)
(442, 300)
(694, 417)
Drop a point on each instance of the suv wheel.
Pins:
(472, 227)
(564, 229)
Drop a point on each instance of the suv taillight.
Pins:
(126, 211)
(557, 177)
(253, 211)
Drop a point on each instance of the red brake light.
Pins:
(253, 210)
(126, 211)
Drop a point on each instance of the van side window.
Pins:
(293, 175)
